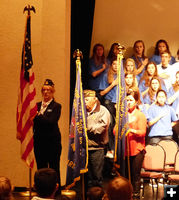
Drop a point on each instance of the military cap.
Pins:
(49, 82)
(89, 93)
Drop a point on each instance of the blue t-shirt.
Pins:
(95, 81)
(176, 102)
(163, 126)
(111, 95)
(147, 100)
(143, 87)
(142, 72)
(157, 59)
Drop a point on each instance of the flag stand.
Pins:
(28, 192)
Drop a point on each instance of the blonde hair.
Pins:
(125, 66)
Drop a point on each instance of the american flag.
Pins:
(26, 106)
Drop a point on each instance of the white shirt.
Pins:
(44, 106)
(170, 70)
(94, 107)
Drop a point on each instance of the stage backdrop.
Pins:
(131, 20)
(50, 31)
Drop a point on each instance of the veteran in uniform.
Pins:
(47, 136)
(98, 120)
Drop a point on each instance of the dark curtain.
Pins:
(82, 12)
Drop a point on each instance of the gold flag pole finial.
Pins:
(28, 9)
(77, 54)
(121, 49)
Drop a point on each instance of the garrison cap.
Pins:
(89, 93)
(49, 82)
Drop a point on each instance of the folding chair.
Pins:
(170, 147)
(174, 178)
(153, 165)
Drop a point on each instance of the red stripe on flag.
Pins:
(28, 149)
(30, 97)
(32, 112)
(24, 82)
(25, 129)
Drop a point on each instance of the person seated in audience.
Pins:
(139, 57)
(5, 188)
(160, 119)
(112, 55)
(160, 47)
(165, 70)
(135, 145)
(45, 183)
(119, 189)
(129, 66)
(95, 193)
(97, 68)
(150, 97)
(108, 87)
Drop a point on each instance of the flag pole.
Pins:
(30, 183)
(78, 54)
(118, 136)
(121, 49)
(29, 9)
(78, 143)
(83, 186)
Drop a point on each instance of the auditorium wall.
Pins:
(50, 35)
(129, 20)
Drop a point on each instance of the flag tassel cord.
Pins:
(119, 95)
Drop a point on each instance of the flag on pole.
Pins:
(26, 106)
(78, 146)
(121, 127)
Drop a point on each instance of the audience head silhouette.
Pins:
(5, 188)
(46, 182)
(95, 193)
(119, 188)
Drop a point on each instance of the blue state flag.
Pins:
(78, 146)
(121, 127)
